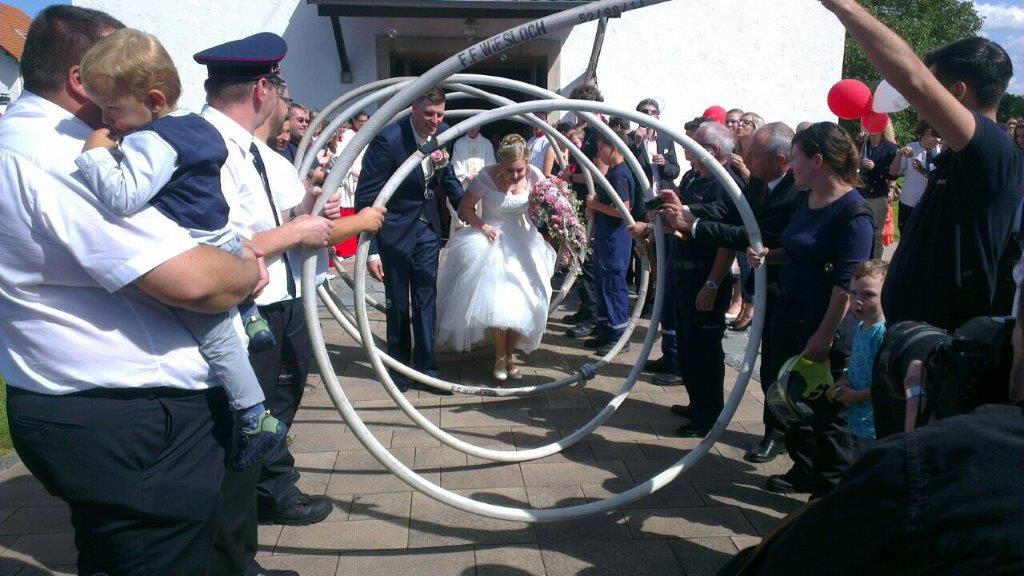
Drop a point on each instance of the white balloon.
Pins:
(888, 100)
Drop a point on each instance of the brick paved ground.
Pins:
(381, 526)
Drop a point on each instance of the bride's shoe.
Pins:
(500, 373)
(513, 371)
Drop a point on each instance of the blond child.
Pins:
(171, 159)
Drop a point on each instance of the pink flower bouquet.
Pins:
(554, 209)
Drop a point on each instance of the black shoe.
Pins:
(765, 451)
(604, 350)
(577, 317)
(659, 366)
(667, 379)
(581, 331)
(680, 410)
(692, 430)
(401, 382)
(304, 512)
(595, 343)
(784, 484)
(254, 569)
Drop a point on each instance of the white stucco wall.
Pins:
(777, 58)
(10, 76)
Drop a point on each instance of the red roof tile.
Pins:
(13, 28)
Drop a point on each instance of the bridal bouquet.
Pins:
(555, 209)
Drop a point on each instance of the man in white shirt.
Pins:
(110, 402)
(538, 146)
(268, 203)
(469, 155)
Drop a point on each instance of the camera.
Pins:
(961, 371)
(653, 204)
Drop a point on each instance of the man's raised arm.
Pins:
(898, 64)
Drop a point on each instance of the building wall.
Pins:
(10, 76)
(776, 58)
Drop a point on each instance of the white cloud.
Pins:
(1001, 15)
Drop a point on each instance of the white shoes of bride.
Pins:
(500, 372)
(513, 371)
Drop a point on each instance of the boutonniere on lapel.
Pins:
(439, 158)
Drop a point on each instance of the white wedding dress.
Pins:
(505, 284)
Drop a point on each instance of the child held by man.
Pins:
(171, 159)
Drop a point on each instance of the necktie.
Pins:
(257, 161)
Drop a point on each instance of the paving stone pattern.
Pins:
(381, 526)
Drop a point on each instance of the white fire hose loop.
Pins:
(496, 44)
(587, 371)
(383, 89)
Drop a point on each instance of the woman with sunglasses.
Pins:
(829, 234)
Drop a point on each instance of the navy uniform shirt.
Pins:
(610, 232)
(944, 270)
(700, 190)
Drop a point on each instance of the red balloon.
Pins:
(849, 99)
(874, 122)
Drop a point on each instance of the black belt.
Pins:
(689, 264)
(279, 305)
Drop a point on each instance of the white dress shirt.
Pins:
(289, 192)
(538, 146)
(71, 321)
(250, 209)
(126, 179)
(469, 155)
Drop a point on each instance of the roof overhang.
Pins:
(444, 8)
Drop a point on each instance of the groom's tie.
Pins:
(257, 161)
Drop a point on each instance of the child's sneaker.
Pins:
(260, 336)
(255, 442)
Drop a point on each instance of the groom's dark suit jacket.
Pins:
(388, 150)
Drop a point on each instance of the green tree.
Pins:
(924, 24)
(1010, 105)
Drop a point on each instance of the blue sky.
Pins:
(1004, 23)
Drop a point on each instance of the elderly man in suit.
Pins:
(404, 253)
(772, 194)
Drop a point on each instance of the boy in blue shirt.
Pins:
(853, 390)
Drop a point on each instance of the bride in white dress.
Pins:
(495, 273)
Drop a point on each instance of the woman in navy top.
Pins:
(828, 235)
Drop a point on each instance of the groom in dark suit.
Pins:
(404, 252)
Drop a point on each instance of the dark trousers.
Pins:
(586, 290)
(669, 337)
(282, 372)
(236, 542)
(821, 450)
(412, 278)
(904, 217)
(699, 336)
(140, 469)
(879, 209)
(612, 299)
(769, 370)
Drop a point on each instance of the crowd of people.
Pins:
(164, 246)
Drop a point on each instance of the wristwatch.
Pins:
(914, 391)
(711, 284)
